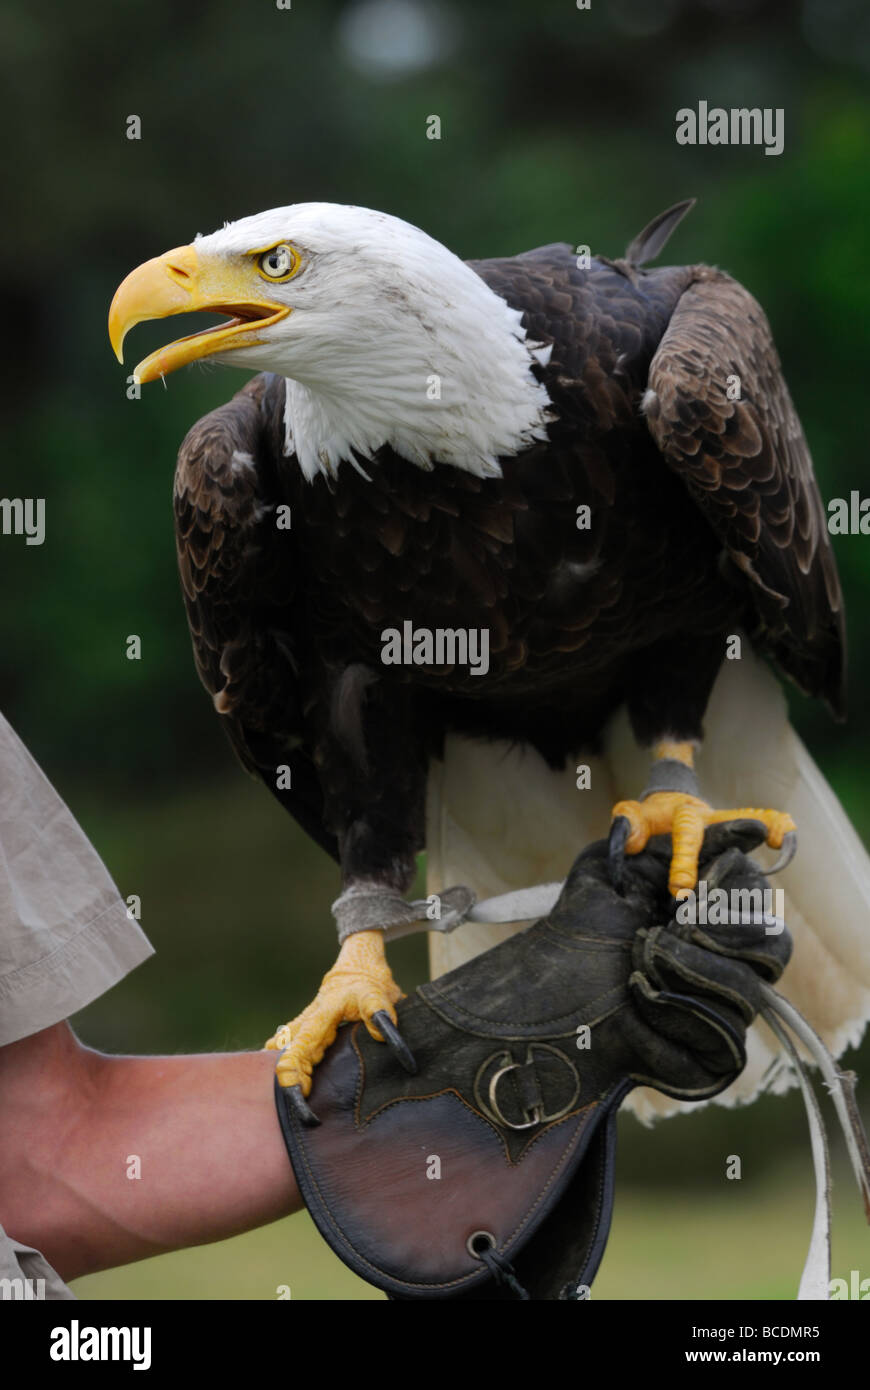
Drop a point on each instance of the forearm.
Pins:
(104, 1160)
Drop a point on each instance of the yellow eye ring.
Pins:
(278, 262)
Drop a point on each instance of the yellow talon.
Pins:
(686, 818)
(358, 986)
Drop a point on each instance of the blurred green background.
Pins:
(557, 124)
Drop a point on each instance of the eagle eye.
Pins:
(278, 263)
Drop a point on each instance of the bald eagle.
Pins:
(587, 472)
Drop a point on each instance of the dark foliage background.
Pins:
(557, 124)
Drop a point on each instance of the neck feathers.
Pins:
(443, 374)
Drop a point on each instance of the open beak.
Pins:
(182, 282)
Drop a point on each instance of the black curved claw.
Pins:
(394, 1040)
(786, 854)
(619, 833)
(298, 1102)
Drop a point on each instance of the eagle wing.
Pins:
(747, 465)
(239, 579)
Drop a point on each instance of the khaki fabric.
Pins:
(25, 1274)
(65, 936)
(65, 939)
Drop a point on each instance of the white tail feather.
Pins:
(499, 819)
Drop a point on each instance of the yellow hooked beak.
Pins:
(182, 282)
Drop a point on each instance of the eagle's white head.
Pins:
(384, 336)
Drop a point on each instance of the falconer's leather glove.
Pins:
(489, 1173)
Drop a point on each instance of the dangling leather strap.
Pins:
(816, 1278)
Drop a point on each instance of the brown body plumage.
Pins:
(704, 518)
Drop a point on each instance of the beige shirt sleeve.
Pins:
(26, 1275)
(65, 936)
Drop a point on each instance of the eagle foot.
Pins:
(359, 986)
(685, 818)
